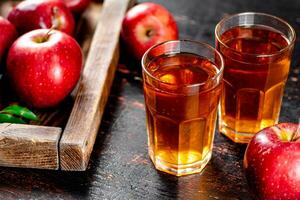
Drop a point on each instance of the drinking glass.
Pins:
(182, 86)
(257, 50)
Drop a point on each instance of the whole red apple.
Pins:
(272, 162)
(44, 67)
(7, 35)
(77, 6)
(41, 14)
(145, 25)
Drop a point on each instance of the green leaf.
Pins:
(7, 118)
(20, 111)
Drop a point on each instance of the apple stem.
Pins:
(47, 35)
(55, 23)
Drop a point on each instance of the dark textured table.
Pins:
(120, 167)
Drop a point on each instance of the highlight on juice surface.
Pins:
(182, 86)
(257, 51)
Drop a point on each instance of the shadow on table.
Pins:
(222, 178)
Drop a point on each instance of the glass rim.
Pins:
(220, 71)
(224, 19)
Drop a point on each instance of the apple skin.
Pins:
(43, 73)
(145, 25)
(42, 14)
(77, 6)
(272, 163)
(8, 34)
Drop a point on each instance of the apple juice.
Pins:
(181, 119)
(256, 69)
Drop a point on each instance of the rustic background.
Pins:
(119, 166)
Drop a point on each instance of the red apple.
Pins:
(272, 162)
(77, 6)
(44, 67)
(41, 14)
(145, 25)
(7, 35)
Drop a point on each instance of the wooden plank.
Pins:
(80, 133)
(29, 146)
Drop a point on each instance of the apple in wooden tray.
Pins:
(77, 6)
(7, 35)
(44, 66)
(272, 162)
(145, 25)
(37, 14)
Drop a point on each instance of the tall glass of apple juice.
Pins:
(182, 86)
(257, 50)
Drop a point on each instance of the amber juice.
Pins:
(256, 69)
(181, 100)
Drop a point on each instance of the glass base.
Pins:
(237, 137)
(180, 170)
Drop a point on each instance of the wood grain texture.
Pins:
(29, 146)
(81, 130)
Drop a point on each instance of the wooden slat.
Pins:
(80, 133)
(29, 146)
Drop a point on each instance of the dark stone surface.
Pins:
(120, 167)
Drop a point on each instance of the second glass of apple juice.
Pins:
(257, 50)
(182, 86)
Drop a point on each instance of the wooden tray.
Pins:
(65, 136)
